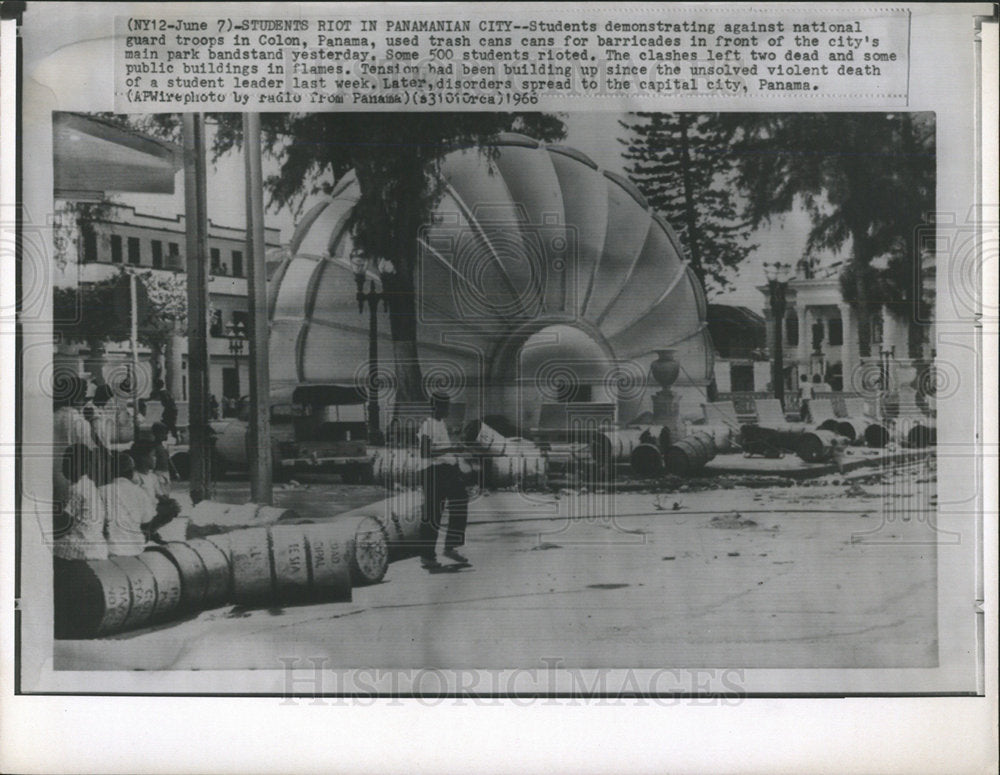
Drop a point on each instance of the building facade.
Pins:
(821, 335)
(148, 243)
(741, 355)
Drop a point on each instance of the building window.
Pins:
(741, 377)
(216, 263)
(174, 255)
(237, 263)
(215, 328)
(157, 254)
(241, 321)
(89, 244)
(792, 330)
(836, 332)
(134, 254)
(116, 249)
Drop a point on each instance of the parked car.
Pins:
(315, 427)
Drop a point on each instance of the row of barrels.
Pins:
(859, 431)
(878, 435)
(647, 449)
(822, 443)
(519, 462)
(812, 446)
(275, 565)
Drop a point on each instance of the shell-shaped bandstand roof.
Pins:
(529, 238)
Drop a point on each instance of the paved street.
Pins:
(804, 576)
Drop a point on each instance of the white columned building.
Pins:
(821, 335)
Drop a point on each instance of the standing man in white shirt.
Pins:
(444, 481)
(808, 393)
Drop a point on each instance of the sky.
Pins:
(596, 134)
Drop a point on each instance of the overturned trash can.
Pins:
(689, 455)
(819, 446)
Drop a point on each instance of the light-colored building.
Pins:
(821, 334)
(741, 358)
(148, 243)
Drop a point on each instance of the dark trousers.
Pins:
(443, 483)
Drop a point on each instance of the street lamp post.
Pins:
(778, 275)
(371, 297)
(236, 333)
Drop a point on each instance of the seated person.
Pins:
(112, 421)
(152, 483)
(146, 476)
(128, 509)
(79, 530)
(162, 466)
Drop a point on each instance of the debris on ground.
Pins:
(857, 491)
(732, 521)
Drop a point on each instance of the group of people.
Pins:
(111, 489)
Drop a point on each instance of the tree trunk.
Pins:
(861, 256)
(175, 363)
(391, 231)
(690, 211)
(155, 360)
(403, 326)
(409, 380)
(95, 361)
(864, 324)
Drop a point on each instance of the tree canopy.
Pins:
(680, 162)
(867, 181)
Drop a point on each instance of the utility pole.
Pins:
(778, 276)
(196, 221)
(261, 473)
(134, 343)
(359, 263)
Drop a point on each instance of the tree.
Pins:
(681, 164)
(867, 181)
(397, 160)
(166, 313)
